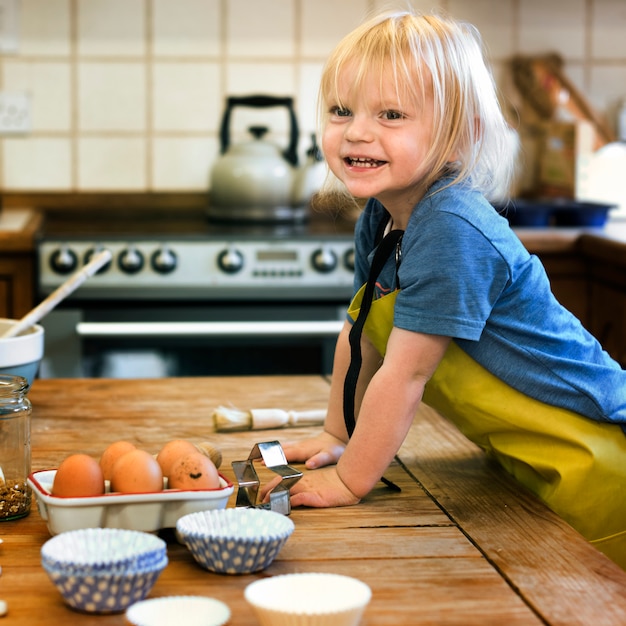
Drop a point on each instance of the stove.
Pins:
(184, 295)
(195, 258)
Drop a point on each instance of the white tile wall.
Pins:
(608, 27)
(555, 25)
(186, 28)
(128, 94)
(111, 28)
(38, 164)
(260, 29)
(111, 96)
(111, 164)
(185, 96)
(45, 28)
(325, 22)
(49, 83)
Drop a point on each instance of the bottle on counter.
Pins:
(15, 460)
(603, 176)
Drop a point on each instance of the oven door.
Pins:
(151, 340)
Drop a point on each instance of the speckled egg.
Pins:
(172, 451)
(194, 471)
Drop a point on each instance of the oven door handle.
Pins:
(326, 328)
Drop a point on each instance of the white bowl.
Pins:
(21, 355)
(234, 541)
(168, 610)
(309, 599)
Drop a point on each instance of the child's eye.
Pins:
(340, 111)
(392, 115)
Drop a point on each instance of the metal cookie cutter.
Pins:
(272, 454)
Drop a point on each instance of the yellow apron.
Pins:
(576, 465)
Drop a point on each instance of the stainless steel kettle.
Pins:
(257, 180)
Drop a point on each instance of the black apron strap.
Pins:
(384, 250)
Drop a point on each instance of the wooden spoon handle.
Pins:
(72, 283)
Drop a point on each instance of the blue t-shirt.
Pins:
(464, 274)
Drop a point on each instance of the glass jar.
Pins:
(15, 410)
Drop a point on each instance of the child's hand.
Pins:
(321, 488)
(324, 449)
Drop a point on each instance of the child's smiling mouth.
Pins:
(363, 162)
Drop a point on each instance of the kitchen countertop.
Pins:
(460, 544)
(18, 228)
(560, 239)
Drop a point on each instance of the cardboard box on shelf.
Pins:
(564, 153)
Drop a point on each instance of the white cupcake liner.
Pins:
(234, 541)
(104, 592)
(308, 599)
(94, 550)
(165, 611)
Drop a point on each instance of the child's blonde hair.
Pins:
(432, 55)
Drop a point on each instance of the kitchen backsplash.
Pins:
(128, 95)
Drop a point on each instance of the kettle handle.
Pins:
(291, 153)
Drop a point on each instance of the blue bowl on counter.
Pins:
(526, 213)
(572, 213)
(554, 212)
(21, 355)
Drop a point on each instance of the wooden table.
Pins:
(461, 544)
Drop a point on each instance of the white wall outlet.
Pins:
(9, 26)
(15, 113)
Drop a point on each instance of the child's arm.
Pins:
(327, 447)
(385, 416)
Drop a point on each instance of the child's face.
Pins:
(376, 145)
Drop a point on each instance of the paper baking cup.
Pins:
(194, 611)
(309, 599)
(234, 541)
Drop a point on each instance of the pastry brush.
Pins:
(230, 419)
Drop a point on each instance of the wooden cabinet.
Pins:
(17, 268)
(568, 274)
(607, 277)
(609, 320)
(587, 272)
(16, 284)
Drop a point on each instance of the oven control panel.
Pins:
(204, 269)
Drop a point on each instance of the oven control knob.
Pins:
(230, 260)
(324, 260)
(348, 259)
(163, 261)
(63, 261)
(89, 255)
(130, 261)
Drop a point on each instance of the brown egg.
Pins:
(111, 454)
(172, 451)
(136, 472)
(194, 471)
(78, 475)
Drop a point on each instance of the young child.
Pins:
(462, 316)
